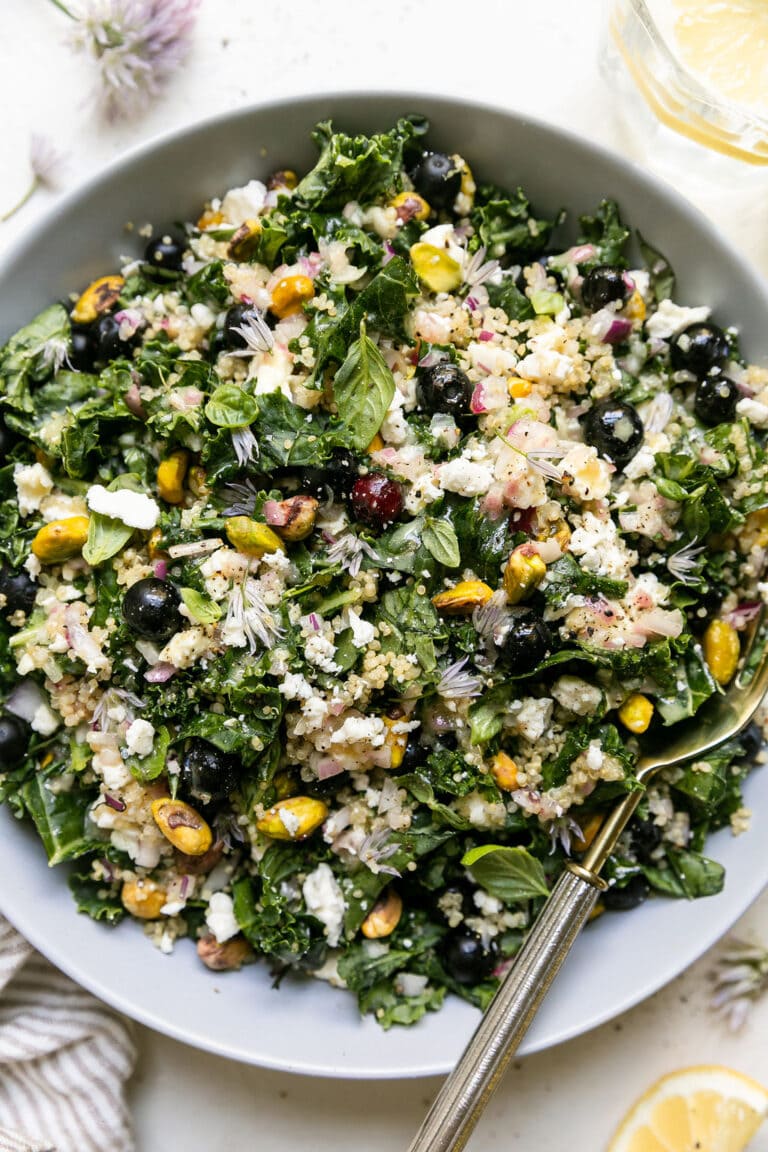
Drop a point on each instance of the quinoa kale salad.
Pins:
(351, 540)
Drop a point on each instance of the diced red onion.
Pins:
(160, 673)
(389, 253)
(314, 621)
(477, 403)
(743, 614)
(485, 335)
(619, 329)
(113, 802)
(471, 303)
(329, 767)
(161, 569)
(184, 886)
(629, 283)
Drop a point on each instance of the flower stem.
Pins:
(63, 8)
(27, 196)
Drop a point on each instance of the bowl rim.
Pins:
(123, 163)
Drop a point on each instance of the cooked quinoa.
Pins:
(352, 541)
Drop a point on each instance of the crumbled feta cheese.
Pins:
(325, 900)
(424, 492)
(132, 508)
(33, 483)
(362, 630)
(296, 687)
(241, 204)
(45, 720)
(187, 646)
(410, 984)
(576, 695)
(754, 411)
(671, 319)
(601, 549)
(371, 729)
(289, 821)
(465, 477)
(585, 475)
(139, 738)
(531, 717)
(220, 917)
(594, 756)
(320, 652)
(546, 367)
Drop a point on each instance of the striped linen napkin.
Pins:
(64, 1060)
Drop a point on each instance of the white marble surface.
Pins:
(536, 58)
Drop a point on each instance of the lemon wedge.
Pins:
(726, 45)
(706, 1108)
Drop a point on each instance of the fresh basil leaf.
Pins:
(421, 790)
(439, 538)
(201, 608)
(509, 874)
(106, 537)
(60, 818)
(693, 684)
(147, 768)
(231, 407)
(363, 389)
(690, 875)
(486, 716)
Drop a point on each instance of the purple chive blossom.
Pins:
(456, 684)
(681, 564)
(241, 498)
(478, 270)
(136, 46)
(45, 163)
(561, 831)
(348, 551)
(245, 445)
(256, 333)
(740, 978)
(375, 850)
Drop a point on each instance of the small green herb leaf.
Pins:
(231, 407)
(106, 537)
(509, 874)
(363, 390)
(439, 538)
(201, 608)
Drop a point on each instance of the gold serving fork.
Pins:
(462, 1099)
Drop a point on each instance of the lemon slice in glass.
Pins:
(706, 1108)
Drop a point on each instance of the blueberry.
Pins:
(634, 892)
(615, 429)
(207, 774)
(526, 644)
(602, 285)
(18, 588)
(437, 179)
(164, 254)
(465, 959)
(715, 400)
(151, 608)
(236, 317)
(82, 352)
(376, 500)
(338, 475)
(645, 836)
(699, 349)
(14, 741)
(445, 388)
(107, 344)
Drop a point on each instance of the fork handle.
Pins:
(460, 1102)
